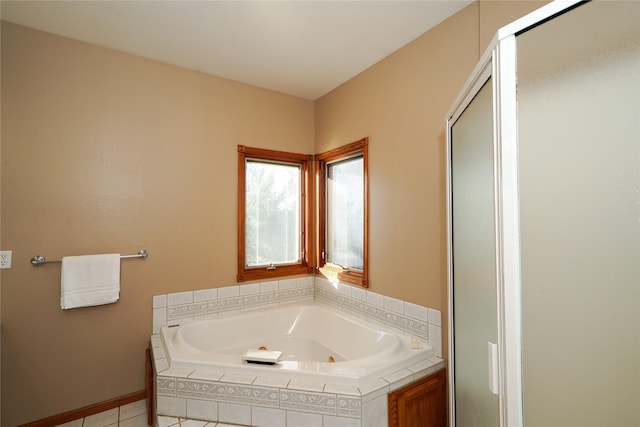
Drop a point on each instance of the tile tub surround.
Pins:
(264, 401)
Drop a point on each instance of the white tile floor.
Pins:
(179, 422)
(135, 415)
(131, 415)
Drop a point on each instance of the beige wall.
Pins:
(107, 152)
(401, 104)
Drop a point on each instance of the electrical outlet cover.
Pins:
(5, 259)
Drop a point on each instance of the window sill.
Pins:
(261, 273)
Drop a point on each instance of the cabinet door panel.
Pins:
(421, 404)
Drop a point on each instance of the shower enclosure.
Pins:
(543, 192)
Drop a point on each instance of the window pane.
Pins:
(345, 213)
(272, 211)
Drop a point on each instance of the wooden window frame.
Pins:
(305, 162)
(354, 149)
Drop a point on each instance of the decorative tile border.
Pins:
(349, 406)
(166, 386)
(182, 311)
(205, 390)
(320, 403)
(272, 397)
(249, 395)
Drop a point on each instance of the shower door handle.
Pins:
(494, 384)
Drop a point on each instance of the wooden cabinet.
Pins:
(420, 404)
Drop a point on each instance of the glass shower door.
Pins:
(473, 259)
(579, 166)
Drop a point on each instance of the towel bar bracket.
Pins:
(39, 260)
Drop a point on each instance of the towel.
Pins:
(90, 280)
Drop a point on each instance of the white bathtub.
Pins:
(307, 335)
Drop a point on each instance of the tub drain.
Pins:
(263, 348)
(331, 359)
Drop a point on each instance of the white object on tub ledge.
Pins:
(89, 280)
(262, 356)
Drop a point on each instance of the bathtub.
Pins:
(318, 344)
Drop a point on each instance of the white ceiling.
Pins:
(301, 48)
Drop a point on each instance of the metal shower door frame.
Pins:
(499, 62)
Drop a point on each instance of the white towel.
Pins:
(90, 280)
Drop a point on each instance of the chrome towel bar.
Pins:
(39, 260)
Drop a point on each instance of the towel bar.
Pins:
(39, 260)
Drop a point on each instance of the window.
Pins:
(273, 213)
(343, 224)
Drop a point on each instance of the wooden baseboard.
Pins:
(87, 410)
